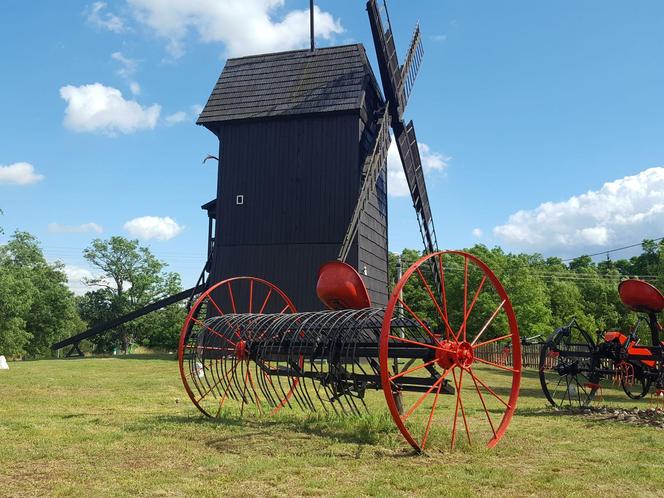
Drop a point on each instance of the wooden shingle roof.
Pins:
(287, 83)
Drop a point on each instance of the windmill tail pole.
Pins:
(102, 328)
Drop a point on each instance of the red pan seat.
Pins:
(638, 295)
(341, 287)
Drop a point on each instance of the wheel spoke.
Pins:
(495, 339)
(464, 326)
(419, 320)
(488, 322)
(267, 298)
(456, 416)
(435, 301)
(569, 395)
(196, 371)
(459, 386)
(502, 367)
(555, 390)
(208, 391)
(433, 410)
(213, 331)
(228, 386)
(251, 294)
(578, 391)
(230, 293)
(488, 417)
(421, 399)
(465, 294)
(413, 369)
(409, 341)
(444, 293)
(491, 391)
(215, 304)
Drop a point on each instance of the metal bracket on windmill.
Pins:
(372, 167)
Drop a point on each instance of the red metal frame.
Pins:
(454, 352)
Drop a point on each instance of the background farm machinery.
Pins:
(573, 364)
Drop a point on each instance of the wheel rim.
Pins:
(566, 381)
(640, 387)
(462, 323)
(217, 369)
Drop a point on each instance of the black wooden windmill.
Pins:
(303, 141)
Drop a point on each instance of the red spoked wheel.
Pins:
(444, 371)
(216, 362)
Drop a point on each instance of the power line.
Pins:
(607, 252)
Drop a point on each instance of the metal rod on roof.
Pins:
(311, 23)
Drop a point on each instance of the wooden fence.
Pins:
(502, 355)
(530, 356)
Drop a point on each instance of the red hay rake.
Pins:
(244, 348)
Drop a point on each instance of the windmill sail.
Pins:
(411, 67)
(372, 168)
(412, 164)
(397, 85)
(386, 52)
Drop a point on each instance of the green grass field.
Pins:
(125, 427)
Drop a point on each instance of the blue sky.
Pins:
(540, 122)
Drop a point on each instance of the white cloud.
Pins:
(127, 69)
(153, 227)
(127, 66)
(97, 108)
(97, 16)
(19, 174)
(75, 279)
(623, 211)
(439, 38)
(432, 162)
(182, 116)
(176, 118)
(83, 228)
(477, 232)
(243, 26)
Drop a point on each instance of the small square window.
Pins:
(239, 200)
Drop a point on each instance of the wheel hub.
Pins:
(455, 353)
(241, 350)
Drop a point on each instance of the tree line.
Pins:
(547, 292)
(37, 308)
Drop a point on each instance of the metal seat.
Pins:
(641, 296)
(341, 287)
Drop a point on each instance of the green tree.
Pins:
(131, 278)
(37, 306)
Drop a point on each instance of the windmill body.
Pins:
(295, 130)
